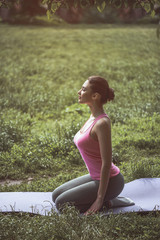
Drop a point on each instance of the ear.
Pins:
(96, 96)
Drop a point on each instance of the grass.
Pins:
(71, 226)
(42, 69)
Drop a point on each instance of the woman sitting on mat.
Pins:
(89, 193)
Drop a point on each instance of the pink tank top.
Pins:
(90, 152)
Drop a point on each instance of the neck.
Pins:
(96, 110)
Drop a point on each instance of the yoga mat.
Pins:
(145, 193)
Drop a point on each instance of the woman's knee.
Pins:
(61, 201)
(57, 203)
(59, 197)
(58, 191)
(55, 194)
(70, 185)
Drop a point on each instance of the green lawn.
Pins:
(41, 70)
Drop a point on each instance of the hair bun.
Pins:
(101, 86)
(110, 94)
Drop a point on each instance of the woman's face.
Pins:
(85, 93)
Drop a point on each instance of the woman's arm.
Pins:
(103, 132)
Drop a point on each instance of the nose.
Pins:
(79, 92)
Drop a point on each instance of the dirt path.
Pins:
(10, 182)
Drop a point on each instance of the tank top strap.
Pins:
(99, 117)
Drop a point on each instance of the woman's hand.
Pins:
(95, 207)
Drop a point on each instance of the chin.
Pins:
(80, 102)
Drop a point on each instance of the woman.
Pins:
(89, 193)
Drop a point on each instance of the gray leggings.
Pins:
(82, 191)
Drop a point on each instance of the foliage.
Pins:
(70, 225)
(109, 15)
(54, 5)
(35, 20)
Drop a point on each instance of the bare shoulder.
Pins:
(103, 124)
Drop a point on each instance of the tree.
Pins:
(54, 5)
